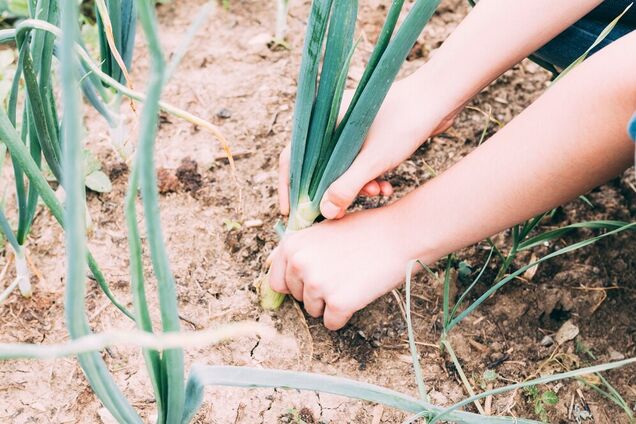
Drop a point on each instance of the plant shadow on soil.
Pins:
(233, 78)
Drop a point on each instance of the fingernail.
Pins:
(329, 210)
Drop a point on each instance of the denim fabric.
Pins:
(568, 46)
(631, 128)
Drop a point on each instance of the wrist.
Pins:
(408, 235)
(450, 88)
(428, 93)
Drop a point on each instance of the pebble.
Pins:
(547, 341)
(260, 39)
(253, 223)
(261, 177)
(224, 113)
(614, 355)
(567, 332)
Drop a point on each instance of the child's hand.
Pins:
(407, 118)
(338, 267)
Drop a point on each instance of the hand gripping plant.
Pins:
(322, 149)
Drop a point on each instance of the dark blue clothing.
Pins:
(568, 46)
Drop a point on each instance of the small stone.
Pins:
(253, 223)
(261, 39)
(224, 113)
(438, 398)
(547, 341)
(261, 177)
(615, 355)
(567, 332)
(105, 416)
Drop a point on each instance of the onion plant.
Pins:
(31, 110)
(282, 8)
(322, 149)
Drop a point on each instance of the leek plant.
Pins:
(323, 149)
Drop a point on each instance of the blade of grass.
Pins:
(462, 376)
(383, 41)
(612, 395)
(172, 358)
(37, 112)
(472, 285)
(202, 375)
(107, 28)
(521, 270)
(415, 355)
(201, 17)
(96, 342)
(596, 42)
(152, 357)
(91, 93)
(5, 227)
(18, 174)
(364, 112)
(541, 380)
(446, 294)
(559, 232)
(328, 139)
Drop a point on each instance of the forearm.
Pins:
(494, 36)
(570, 140)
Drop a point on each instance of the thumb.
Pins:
(342, 192)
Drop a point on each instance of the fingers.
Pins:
(314, 305)
(277, 271)
(283, 180)
(371, 189)
(377, 187)
(345, 189)
(386, 189)
(293, 281)
(335, 317)
(285, 277)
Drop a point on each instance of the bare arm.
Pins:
(570, 140)
(495, 35)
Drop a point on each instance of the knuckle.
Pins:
(313, 313)
(312, 285)
(277, 285)
(296, 263)
(339, 306)
(340, 194)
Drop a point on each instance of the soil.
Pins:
(232, 77)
